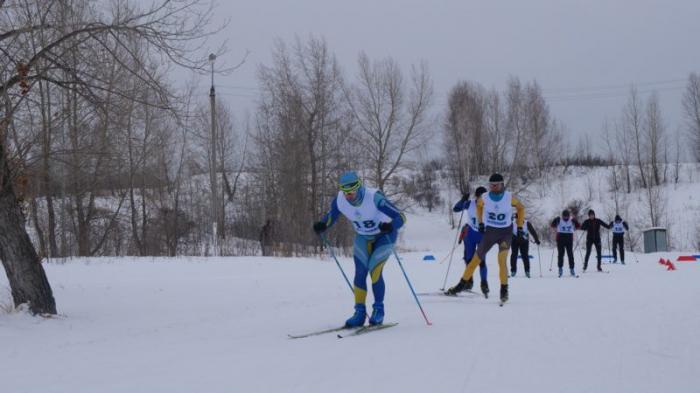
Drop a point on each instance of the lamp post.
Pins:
(212, 164)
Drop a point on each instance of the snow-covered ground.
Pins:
(221, 325)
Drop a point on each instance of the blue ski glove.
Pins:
(385, 227)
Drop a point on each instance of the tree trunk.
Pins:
(27, 278)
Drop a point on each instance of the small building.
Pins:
(655, 240)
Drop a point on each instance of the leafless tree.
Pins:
(654, 130)
(61, 44)
(691, 106)
(633, 122)
(390, 114)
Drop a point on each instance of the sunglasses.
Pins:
(349, 188)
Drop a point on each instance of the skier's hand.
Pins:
(537, 242)
(465, 197)
(385, 227)
(320, 227)
(482, 229)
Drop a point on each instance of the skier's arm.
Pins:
(461, 205)
(576, 224)
(584, 226)
(332, 216)
(520, 208)
(624, 224)
(603, 224)
(533, 232)
(386, 207)
(554, 223)
(480, 210)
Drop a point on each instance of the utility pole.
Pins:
(212, 164)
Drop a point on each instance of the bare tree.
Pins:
(691, 106)
(390, 115)
(654, 134)
(633, 121)
(71, 34)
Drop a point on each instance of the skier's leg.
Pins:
(622, 249)
(570, 253)
(361, 252)
(589, 243)
(599, 257)
(560, 253)
(513, 256)
(525, 252)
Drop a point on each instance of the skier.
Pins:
(523, 246)
(565, 227)
(618, 229)
(494, 211)
(471, 236)
(376, 222)
(592, 227)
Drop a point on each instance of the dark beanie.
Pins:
(496, 178)
(618, 218)
(480, 190)
(565, 213)
(591, 212)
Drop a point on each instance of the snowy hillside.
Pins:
(221, 325)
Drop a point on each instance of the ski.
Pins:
(367, 329)
(319, 332)
(442, 293)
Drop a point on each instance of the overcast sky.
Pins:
(585, 54)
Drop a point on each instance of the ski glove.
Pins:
(465, 197)
(482, 229)
(385, 227)
(537, 242)
(320, 227)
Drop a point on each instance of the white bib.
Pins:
(618, 228)
(471, 215)
(498, 214)
(365, 217)
(565, 226)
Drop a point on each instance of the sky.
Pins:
(584, 54)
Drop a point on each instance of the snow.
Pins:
(221, 325)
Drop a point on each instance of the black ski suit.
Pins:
(523, 247)
(592, 228)
(618, 240)
(565, 242)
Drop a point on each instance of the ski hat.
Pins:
(349, 182)
(591, 212)
(496, 178)
(479, 190)
(618, 218)
(565, 213)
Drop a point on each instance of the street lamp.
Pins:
(212, 165)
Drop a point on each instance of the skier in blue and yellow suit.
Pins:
(376, 222)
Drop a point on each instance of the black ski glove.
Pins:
(482, 229)
(465, 197)
(385, 227)
(537, 242)
(320, 227)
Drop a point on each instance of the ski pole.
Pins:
(454, 244)
(325, 241)
(411, 287)
(459, 231)
(539, 259)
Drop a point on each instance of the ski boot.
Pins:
(600, 269)
(561, 271)
(513, 273)
(377, 314)
(358, 318)
(461, 286)
(622, 262)
(527, 274)
(485, 288)
(469, 285)
(573, 272)
(504, 293)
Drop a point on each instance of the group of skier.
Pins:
(494, 217)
